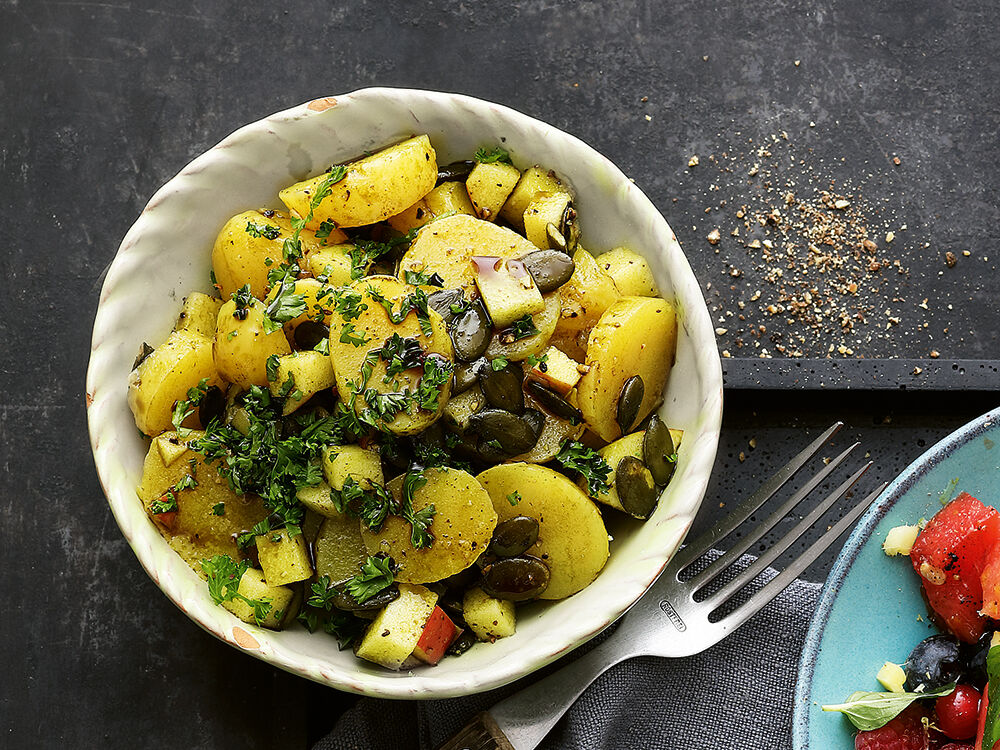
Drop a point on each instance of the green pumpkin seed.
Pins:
(658, 450)
(471, 332)
(497, 427)
(441, 302)
(465, 377)
(552, 401)
(514, 536)
(629, 402)
(549, 268)
(502, 388)
(457, 170)
(635, 487)
(516, 579)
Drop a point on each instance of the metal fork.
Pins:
(668, 620)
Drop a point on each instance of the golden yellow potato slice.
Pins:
(585, 297)
(242, 344)
(635, 336)
(572, 539)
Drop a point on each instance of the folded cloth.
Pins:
(736, 696)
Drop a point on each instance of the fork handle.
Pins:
(522, 721)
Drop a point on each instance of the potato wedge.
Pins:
(343, 462)
(462, 527)
(394, 633)
(242, 345)
(585, 297)
(630, 271)
(572, 539)
(198, 315)
(250, 244)
(534, 180)
(375, 187)
(165, 376)
(446, 199)
(613, 453)
(615, 353)
(446, 247)
(209, 515)
(353, 339)
(503, 345)
(333, 264)
(489, 185)
(252, 585)
(284, 558)
(489, 618)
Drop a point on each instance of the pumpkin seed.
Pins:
(635, 487)
(570, 229)
(552, 401)
(502, 388)
(513, 536)
(471, 332)
(535, 420)
(348, 603)
(513, 434)
(457, 170)
(441, 302)
(466, 376)
(516, 579)
(549, 268)
(629, 401)
(658, 450)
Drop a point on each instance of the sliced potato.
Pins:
(209, 515)
(447, 246)
(165, 376)
(585, 297)
(534, 180)
(283, 558)
(301, 375)
(253, 586)
(394, 633)
(545, 209)
(615, 353)
(630, 271)
(250, 245)
(489, 618)
(463, 524)
(613, 453)
(242, 345)
(338, 548)
(572, 539)
(446, 199)
(375, 188)
(333, 263)
(198, 315)
(352, 461)
(489, 185)
(352, 340)
(504, 345)
(463, 406)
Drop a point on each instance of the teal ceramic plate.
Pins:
(870, 610)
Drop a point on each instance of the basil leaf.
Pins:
(869, 710)
(991, 731)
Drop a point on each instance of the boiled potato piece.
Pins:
(585, 297)
(317, 499)
(534, 180)
(351, 341)
(630, 271)
(447, 246)
(504, 345)
(554, 432)
(489, 618)
(557, 371)
(301, 375)
(463, 406)
(375, 188)
(250, 245)
(334, 264)
(352, 461)
(242, 345)
(319, 299)
(446, 199)
(462, 527)
(616, 352)
(165, 376)
(507, 289)
(209, 515)
(547, 208)
(253, 586)
(198, 315)
(284, 558)
(338, 548)
(572, 539)
(573, 345)
(394, 633)
(613, 453)
(489, 185)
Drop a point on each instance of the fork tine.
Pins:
(780, 582)
(784, 543)
(724, 561)
(692, 551)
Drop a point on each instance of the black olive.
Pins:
(629, 401)
(552, 401)
(516, 579)
(212, 406)
(974, 656)
(497, 427)
(457, 170)
(441, 302)
(348, 603)
(466, 376)
(549, 268)
(502, 388)
(658, 451)
(144, 351)
(514, 536)
(471, 332)
(635, 487)
(309, 333)
(935, 662)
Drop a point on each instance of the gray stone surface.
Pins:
(104, 101)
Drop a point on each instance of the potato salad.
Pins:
(407, 404)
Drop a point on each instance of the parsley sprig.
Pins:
(576, 456)
(366, 252)
(485, 155)
(376, 575)
(223, 584)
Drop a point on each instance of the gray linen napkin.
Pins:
(736, 696)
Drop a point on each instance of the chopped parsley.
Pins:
(498, 364)
(366, 252)
(223, 584)
(348, 336)
(514, 497)
(422, 278)
(532, 360)
(420, 520)
(376, 575)
(522, 328)
(219, 509)
(490, 155)
(244, 300)
(437, 374)
(167, 503)
(271, 367)
(285, 306)
(400, 354)
(578, 457)
(268, 231)
(325, 229)
(348, 303)
(184, 409)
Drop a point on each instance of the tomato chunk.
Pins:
(950, 555)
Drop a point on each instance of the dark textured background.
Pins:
(105, 101)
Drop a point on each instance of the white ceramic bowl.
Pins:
(166, 255)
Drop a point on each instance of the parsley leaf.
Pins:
(498, 364)
(489, 156)
(219, 509)
(514, 497)
(268, 231)
(420, 520)
(578, 457)
(366, 252)
(437, 374)
(244, 300)
(285, 306)
(348, 336)
(223, 584)
(184, 409)
(271, 368)
(376, 575)
(422, 278)
(521, 328)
